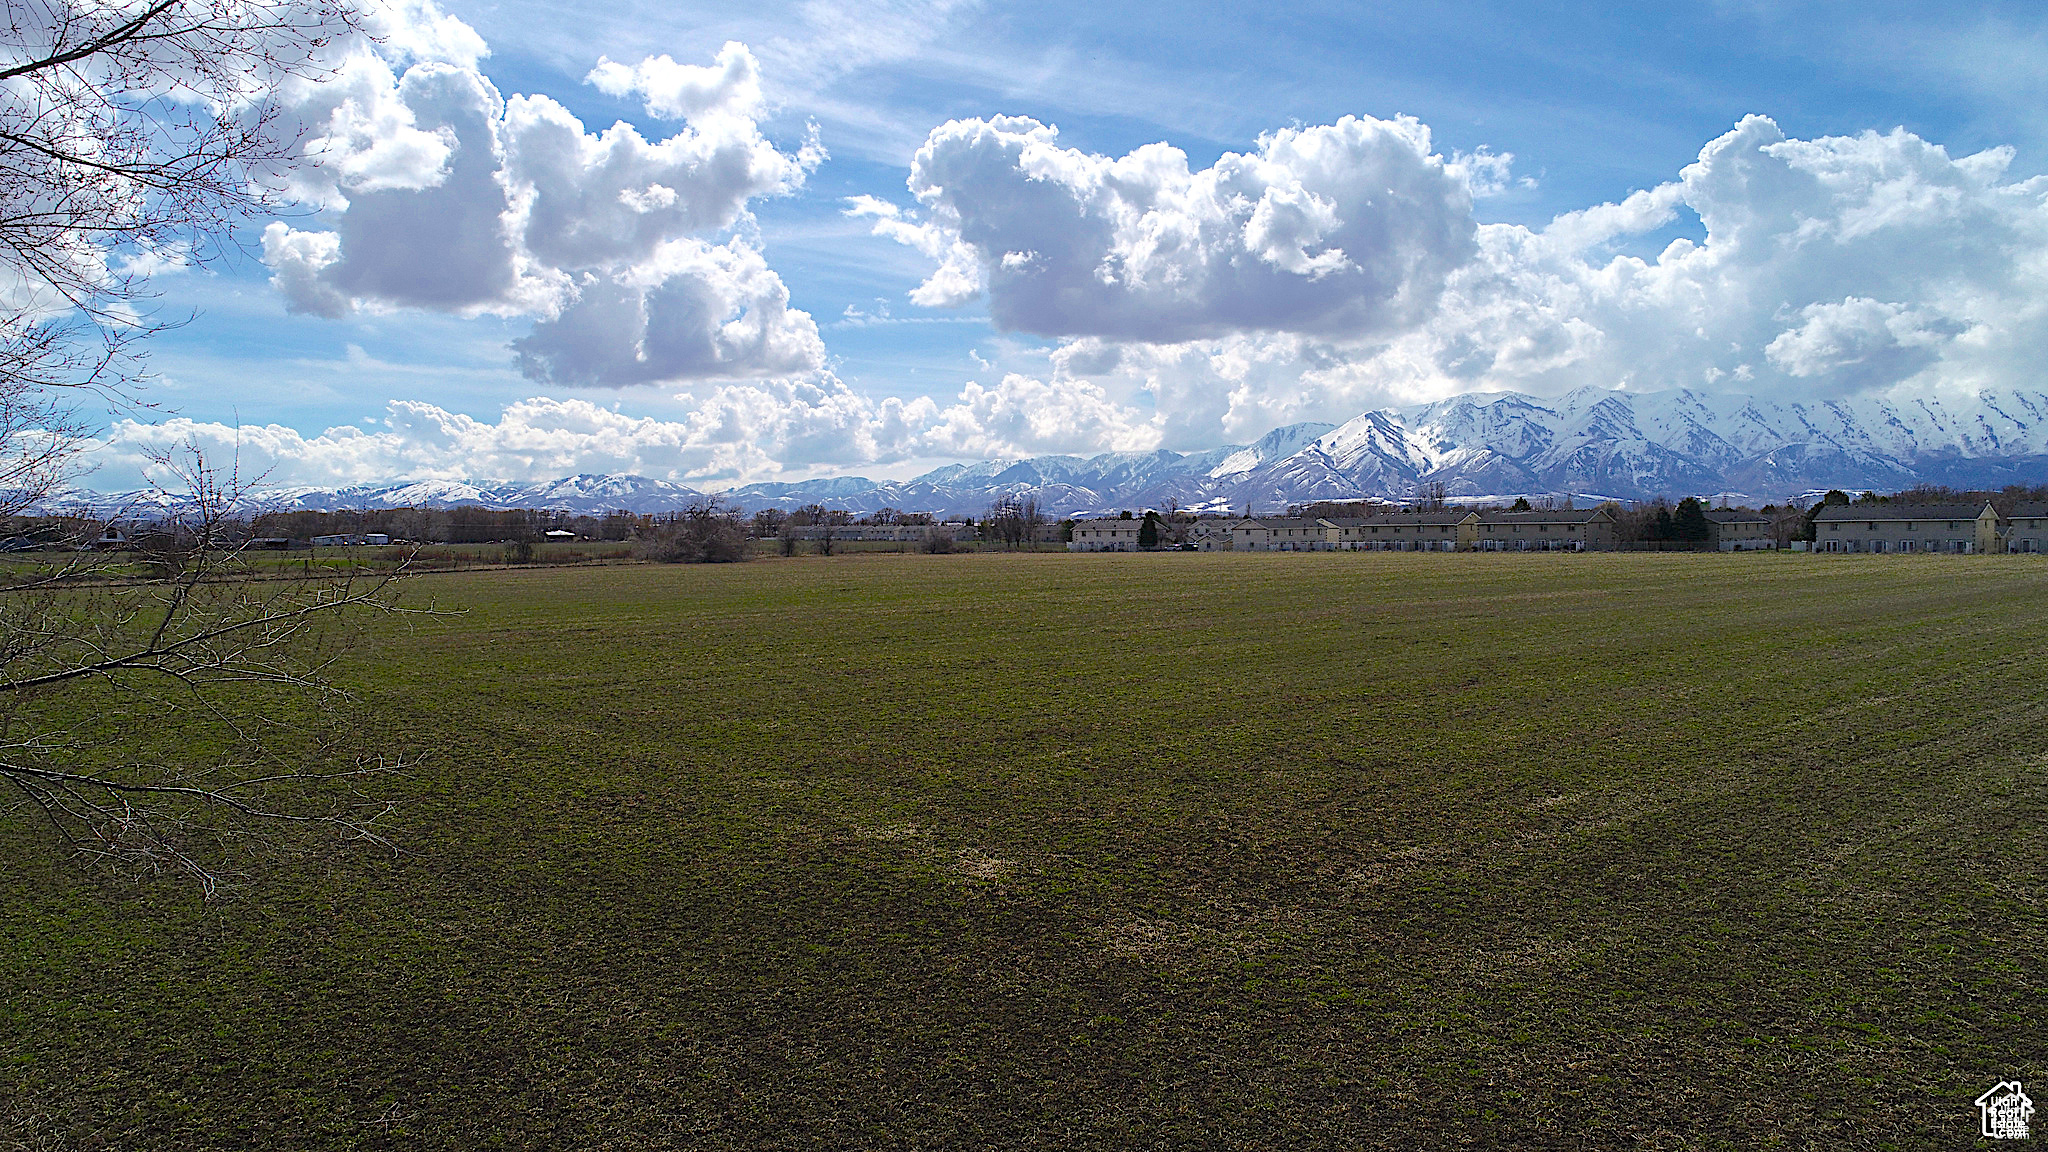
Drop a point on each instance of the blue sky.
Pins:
(1593, 102)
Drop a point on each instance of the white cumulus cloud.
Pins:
(689, 311)
(1347, 228)
(1821, 268)
(440, 194)
(731, 85)
(732, 433)
(1325, 270)
(1024, 415)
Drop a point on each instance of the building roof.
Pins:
(1446, 517)
(1735, 516)
(1845, 512)
(1282, 522)
(1558, 516)
(2030, 508)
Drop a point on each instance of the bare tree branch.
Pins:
(170, 709)
(213, 679)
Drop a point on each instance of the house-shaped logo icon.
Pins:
(2006, 1111)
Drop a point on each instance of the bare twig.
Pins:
(217, 677)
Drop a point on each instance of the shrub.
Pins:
(707, 533)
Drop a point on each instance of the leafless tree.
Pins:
(178, 713)
(825, 524)
(768, 523)
(133, 134)
(1013, 521)
(172, 710)
(708, 532)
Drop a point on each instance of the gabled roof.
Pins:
(1852, 512)
(1282, 522)
(2030, 509)
(1406, 519)
(1561, 516)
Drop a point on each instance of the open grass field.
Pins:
(1077, 852)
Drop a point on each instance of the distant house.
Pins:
(2026, 528)
(1738, 530)
(888, 533)
(1282, 534)
(1449, 530)
(1445, 531)
(558, 535)
(1211, 536)
(1952, 528)
(351, 540)
(1105, 535)
(1566, 530)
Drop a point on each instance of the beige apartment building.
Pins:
(1106, 535)
(1448, 531)
(1298, 534)
(1949, 528)
(1566, 530)
(2026, 530)
(1734, 530)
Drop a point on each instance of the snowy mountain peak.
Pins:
(1278, 444)
(1592, 442)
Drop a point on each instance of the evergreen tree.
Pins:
(1521, 505)
(1690, 521)
(1148, 532)
(1834, 496)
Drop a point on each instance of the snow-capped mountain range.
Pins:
(1589, 443)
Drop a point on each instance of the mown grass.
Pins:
(1210, 850)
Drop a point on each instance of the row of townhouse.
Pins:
(1951, 528)
(886, 532)
(1452, 530)
(1455, 530)
(1930, 528)
(1119, 535)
